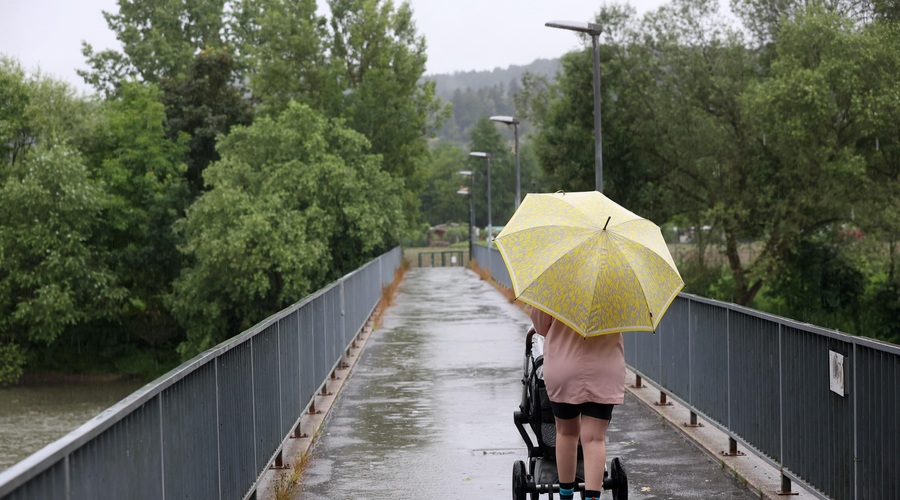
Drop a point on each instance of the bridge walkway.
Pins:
(426, 410)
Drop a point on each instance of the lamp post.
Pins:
(479, 154)
(594, 31)
(470, 191)
(512, 120)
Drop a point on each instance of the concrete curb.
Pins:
(757, 474)
(284, 482)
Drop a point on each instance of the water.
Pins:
(33, 416)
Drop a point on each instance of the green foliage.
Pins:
(12, 362)
(56, 271)
(821, 284)
(470, 105)
(379, 60)
(14, 99)
(486, 138)
(295, 202)
(509, 78)
(440, 201)
(885, 304)
(567, 125)
(54, 275)
(204, 102)
(457, 234)
(159, 40)
(282, 44)
(143, 175)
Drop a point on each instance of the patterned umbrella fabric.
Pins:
(589, 262)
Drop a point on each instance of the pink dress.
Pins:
(578, 369)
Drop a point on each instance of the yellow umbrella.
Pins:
(589, 262)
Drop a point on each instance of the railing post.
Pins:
(693, 421)
(732, 449)
(785, 486)
(662, 400)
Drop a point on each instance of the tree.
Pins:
(756, 159)
(143, 175)
(440, 201)
(295, 201)
(486, 137)
(204, 102)
(53, 275)
(379, 60)
(159, 40)
(567, 125)
(808, 117)
(766, 18)
(564, 111)
(14, 99)
(282, 45)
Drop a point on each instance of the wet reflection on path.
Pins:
(427, 411)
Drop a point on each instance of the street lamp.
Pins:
(594, 31)
(512, 120)
(487, 156)
(470, 191)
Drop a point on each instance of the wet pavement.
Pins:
(427, 409)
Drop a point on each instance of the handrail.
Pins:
(764, 380)
(141, 446)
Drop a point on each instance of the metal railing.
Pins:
(442, 258)
(490, 259)
(210, 427)
(820, 405)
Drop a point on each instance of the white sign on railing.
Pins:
(836, 371)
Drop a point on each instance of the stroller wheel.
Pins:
(617, 482)
(518, 480)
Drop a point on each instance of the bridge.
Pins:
(812, 411)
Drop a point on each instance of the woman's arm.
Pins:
(540, 320)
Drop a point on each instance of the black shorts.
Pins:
(568, 411)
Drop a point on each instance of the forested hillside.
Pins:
(475, 94)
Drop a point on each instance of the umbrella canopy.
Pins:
(589, 262)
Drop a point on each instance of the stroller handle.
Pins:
(528, 336)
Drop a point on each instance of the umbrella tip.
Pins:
(607, 223)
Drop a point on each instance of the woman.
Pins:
(585, 378)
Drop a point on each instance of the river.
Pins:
(34, 415)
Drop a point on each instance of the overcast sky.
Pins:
(461, 35)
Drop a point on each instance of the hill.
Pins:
(448, 84)
(474, 94)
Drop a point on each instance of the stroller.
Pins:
(540, 474)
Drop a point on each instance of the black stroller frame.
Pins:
(540, 475)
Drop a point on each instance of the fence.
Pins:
(442, 258)
(208, 428)
(820, 405)
(489, 258)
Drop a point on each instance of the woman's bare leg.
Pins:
(593, 442)
(567, 433)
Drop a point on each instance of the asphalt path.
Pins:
(427, 409)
